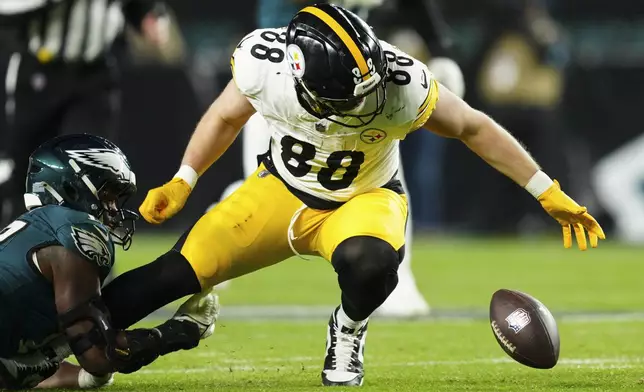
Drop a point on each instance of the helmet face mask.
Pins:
(112, 212)
(341, 75)
(85, 173)
(358, 110)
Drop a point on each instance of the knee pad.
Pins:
(367, 269)
(365, 258)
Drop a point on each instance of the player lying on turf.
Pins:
(338, 102)
(53, 260)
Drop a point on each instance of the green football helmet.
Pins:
(86, 173)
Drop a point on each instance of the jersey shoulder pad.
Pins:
(412, 85)
(255, 57)
(88, 238)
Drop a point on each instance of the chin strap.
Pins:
(32, 200)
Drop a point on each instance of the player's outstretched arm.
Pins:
(77, 289)
(85, 320)
(215, 132)
(76, 283)
(70, 376)
(217, 129)
(456, 119)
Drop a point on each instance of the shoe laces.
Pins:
(209, 310)
(345, 346)
(213, 311)
(204, 314)
(21, 367)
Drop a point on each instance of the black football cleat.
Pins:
(15, 375)
(344, 361)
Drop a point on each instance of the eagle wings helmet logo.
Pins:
(104, 158)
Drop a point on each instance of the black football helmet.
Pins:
(85, 173)
(337, 62)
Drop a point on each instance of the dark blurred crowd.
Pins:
(563, 76)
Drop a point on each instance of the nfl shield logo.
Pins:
(517, 320)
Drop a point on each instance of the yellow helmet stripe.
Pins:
(344, 36)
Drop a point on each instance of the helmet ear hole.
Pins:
(71, 192)
(35, 169)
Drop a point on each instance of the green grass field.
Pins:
(597, 297)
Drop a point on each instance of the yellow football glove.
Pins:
(165, 201)
(568, 213)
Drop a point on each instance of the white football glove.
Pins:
(449, 74)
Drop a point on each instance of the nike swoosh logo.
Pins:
(239, 45)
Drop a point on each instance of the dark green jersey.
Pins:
(27, 310)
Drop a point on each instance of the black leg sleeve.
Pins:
(367, 269)
(137, 293)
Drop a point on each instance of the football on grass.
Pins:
(524, 328)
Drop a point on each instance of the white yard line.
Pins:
(295, 363)
(322, 313)
(591, 317)
(222, 356)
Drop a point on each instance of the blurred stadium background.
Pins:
(568, 83)
(571, 94)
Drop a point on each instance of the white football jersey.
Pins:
(319, 157)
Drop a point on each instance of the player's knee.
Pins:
(203, 260)
(194, 250)
(204, 268)
(173, 265)
(364, 259)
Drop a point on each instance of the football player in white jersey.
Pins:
(405, 301)
(338, 102)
